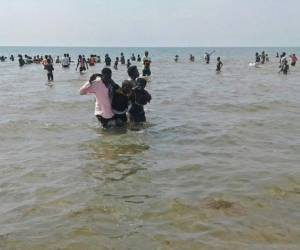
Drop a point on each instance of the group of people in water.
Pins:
(113, 101)
(283, 61)
(206, 58)
(83, 64)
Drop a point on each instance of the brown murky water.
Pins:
(216, 167)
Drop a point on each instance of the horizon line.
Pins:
(89, 46)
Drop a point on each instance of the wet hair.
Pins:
(48, 61)
(106, 71)
(219, 58)
(141, 82)
(126, 87)
(131, 70)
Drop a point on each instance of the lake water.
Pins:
(216, 166)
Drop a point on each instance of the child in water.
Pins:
(49, 68)
(219, 64)
(120, 102)
(138, 98)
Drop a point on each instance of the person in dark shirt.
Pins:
(192, 58)
(139, 59)
(219, 64)
(49, 68)
(257, 58)
(107, 60)
(133, 57)
(116, 63)
(120, 102)
(284, 67)
(21, 61)
(128, 63)
(122, 58)
(138, 98)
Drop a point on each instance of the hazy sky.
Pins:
(150, 23)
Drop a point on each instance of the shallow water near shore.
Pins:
(215, 167)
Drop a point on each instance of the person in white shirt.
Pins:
(65, 62)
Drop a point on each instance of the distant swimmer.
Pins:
(92, 60)
(57, 60)
(133, 57)
(100, 86)
(45, 61)
(219, 64)
(284, 67)
(282, 58)
(128, 63)
(267, 58)
(49, 67)
(65, 62)
(147, 63)
(12, 58)
(176, 58)
(139, 59)
(192, 58)
(107, 60)
(263, 57)
(21, 61)
(116, 63)
(122, 58)
(277, 55)
(257, 58)
(28, 59)
(2, 58)
(82, 64)
(294, 60)
(207, 56)
(98, 59)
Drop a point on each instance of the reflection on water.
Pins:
(216, 167)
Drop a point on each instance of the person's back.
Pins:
(119, 104)
(107, 60)
(294, 60)
(138, 99)
(57, 60)
(257, 58)
(103, 109)
(285, 68)
(65, 62)
(21, 61)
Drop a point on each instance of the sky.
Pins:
(151, 23)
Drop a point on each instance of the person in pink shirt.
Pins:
(294, 60)
(100, 86)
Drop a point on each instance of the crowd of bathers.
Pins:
(284, 67)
